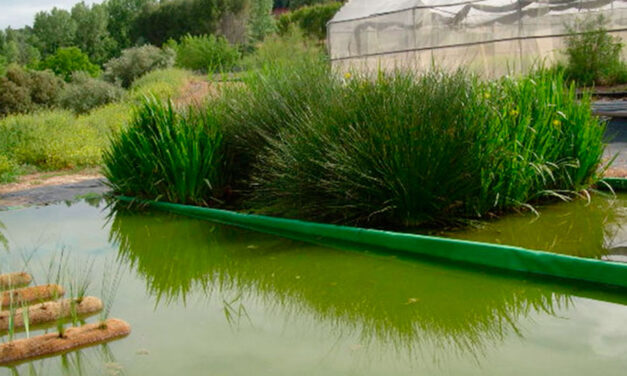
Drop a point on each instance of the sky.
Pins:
(18, 13)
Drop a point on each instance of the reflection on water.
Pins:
(210, 299)
(401, 303)
(76, 363)
(580, 228)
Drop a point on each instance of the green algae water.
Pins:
(595, 228)
(206, 299)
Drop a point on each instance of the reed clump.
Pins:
(396, 149)
(166, 155)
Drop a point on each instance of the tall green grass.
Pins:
(398, 149)
(404, 150)
(166, 155)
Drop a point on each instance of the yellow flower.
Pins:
(513, 112)
(556, 123)
(486, 95)
(348, 75)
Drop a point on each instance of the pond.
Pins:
(207, 299)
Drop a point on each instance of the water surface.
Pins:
(206, 299)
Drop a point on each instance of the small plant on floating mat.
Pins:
(111, 279)
(79, 284)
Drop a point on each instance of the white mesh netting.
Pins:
(491, 37)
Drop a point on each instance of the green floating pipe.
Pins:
(506, 258)
(617, 184)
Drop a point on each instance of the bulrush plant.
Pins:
(404, 150)
(396, 149)
(167, 155)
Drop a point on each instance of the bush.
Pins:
(165, 155)
(279, 52)
(135, 62)
(206, 53)
(311, 19)
(593, 55)
(68, 60)
(161, 83)
(49, 140)
(8, 169)
(57, 139)
(404, 150)
(24, 91)
(85, 93)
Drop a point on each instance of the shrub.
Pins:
(85, 93)
(57, 139)
(49, 140)
(206, 53)
(161, 83)
(593, 55)
(135, 62)
(407, 150)
(8, 169)
(311, 19)
(23, 91)
(68, 60)
(281, 51)
(165, 155)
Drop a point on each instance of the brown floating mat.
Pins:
(50, 312)
(13, 280)
(52, 344)
(31, 295)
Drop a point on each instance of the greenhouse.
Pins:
(490, 37)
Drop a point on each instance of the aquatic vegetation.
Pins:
(402, 149)
(166, 155)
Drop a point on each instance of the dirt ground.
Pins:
(47, 188)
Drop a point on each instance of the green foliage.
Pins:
(593, 55)
(68, 60)
(54, 30)
(19, 47)
(260, 22)
(24, 91)
(206, 53)
(281, 51)
(135, 62)
(85, 93)
(407, 150)
(159, 22)
(167, 155)
(57, 139)
(295, 4)
(49, 140)
(92, 35)
(3, 65)
(161, 83)
(312, 19)
(122, 17)
(8, 170)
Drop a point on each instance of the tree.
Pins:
(68, 60)
(19, 47)
(122, 15)
(92, 35)
(54, 30)
(261, 22)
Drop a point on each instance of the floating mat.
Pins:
(30, 295)
(468, 252)
(13, 280)
(50, 312)
(53, 344)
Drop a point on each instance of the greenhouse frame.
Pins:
(489, 37)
